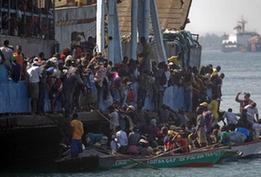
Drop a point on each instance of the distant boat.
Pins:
(241, 40)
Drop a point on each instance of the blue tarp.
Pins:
(14, 97)
(174, 97)
(3, 73)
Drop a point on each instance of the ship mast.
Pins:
(242, 23)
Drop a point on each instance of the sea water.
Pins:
(243, 73)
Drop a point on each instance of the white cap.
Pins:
(69, 57)
(131, 108)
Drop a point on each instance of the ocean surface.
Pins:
(243, 73)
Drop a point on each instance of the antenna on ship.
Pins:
(242, 23)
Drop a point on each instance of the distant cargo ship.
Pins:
(241, 40)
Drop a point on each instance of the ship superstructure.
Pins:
(241, 40)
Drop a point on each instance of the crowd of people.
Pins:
(184, 101)
(80, 80)
(144, 135)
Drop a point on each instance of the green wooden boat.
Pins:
(91, 160)
(193, 159)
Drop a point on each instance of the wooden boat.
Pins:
(195, 159)
(95, 160)
(230, 156)
(88, 160)
(249, 149)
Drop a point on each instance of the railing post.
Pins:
(157, 31)
(134, 26)
(100, 25)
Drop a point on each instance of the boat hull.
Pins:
(195, 159)
(248, 149)
(226, 48)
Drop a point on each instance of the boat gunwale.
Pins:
(125, 156)
(247, 143)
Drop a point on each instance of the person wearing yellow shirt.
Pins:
(77, 132)
(216, 70)
(213, 107)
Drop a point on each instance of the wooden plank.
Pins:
(172, 14)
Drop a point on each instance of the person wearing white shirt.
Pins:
(252, 112)
(257, 128)
(122, 139)
(230, 117)
(252, 116)
(8, 53)
(34, 73)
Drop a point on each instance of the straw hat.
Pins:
(54, 60)
(131, 107)
(173, 59)
(203, 104)
(69, 57)
(143, 141)
(171, 63)
(129, 83)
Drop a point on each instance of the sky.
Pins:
(221, 16)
